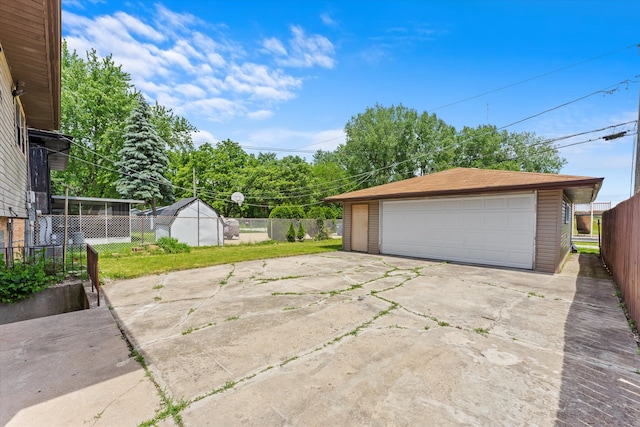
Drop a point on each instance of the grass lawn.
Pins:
(588, 247)
(136, 265)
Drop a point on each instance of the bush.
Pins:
(24, 280)
(291, 233)
(287, 212)
(172, 246)
(322, 233)
(301, 232)
(276, 227)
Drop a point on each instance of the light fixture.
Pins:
(19, 90)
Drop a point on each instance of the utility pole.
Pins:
(194, 182)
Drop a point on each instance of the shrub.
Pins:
(291, 233)
(276, 227)
(287, 212)
(322, 233)
(24, 280)
(301, 232)
(172, 246)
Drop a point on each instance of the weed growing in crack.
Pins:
(187, 331)
(226, 279)
(443, 324)
(277, 294)
(426, 328)
(156, 287)
(289, 308)
(228, 319)
(289, 360)
(482, 331)
(157, 298)
(533, 294)
(191, 310)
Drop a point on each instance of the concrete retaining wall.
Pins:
(54, 300)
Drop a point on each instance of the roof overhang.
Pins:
(30, 39)
(56, 144)
(577, 189)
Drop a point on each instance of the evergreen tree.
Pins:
(144, 159)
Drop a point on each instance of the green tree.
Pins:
(380, 142)
(143, 159)
(96, 99)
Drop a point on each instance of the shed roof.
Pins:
(169, 213)
(466, 181)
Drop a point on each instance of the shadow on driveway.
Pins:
(600, 377)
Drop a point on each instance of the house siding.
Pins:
(548, 224)
(373, 244)
(374, 227)
(565, 233)
(13, 157)
(346, 226)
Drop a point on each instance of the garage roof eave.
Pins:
(590, 186)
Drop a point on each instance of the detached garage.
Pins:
(490, 217)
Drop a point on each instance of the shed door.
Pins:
(491, 230)
(359, 228)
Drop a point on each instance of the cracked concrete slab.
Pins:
(71, 369)
(346, 338)
(337, 339)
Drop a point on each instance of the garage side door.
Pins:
(491, 230)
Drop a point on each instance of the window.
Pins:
(566, 207)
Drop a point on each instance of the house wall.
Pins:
(565, 232)
(548, 230)
(346, 226)
(13, 155)
(374, 226)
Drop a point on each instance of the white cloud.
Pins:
(304, 51)
(137, 27)
(200, 137)
(260, 114)
(327, 139)
(274, 46)
(328, 20)
(192, 67)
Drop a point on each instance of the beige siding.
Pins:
(548, 222)
(374, 227)
(565, 233)
(13, 157)
(346, 226)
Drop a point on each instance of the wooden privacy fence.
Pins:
(621, 250)
(92, 270)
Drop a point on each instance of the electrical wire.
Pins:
(129, 172)
(533, 78)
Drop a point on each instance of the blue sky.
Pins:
(288, 75)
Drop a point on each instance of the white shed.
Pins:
(191, 221)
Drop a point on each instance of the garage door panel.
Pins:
(494, 230)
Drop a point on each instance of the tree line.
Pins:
(123, 147)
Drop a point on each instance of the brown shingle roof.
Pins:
(460, 181)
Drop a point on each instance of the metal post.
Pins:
(66, 228)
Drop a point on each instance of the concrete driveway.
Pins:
(354, 339)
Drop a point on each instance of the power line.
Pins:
(363, 175)
(533, 78)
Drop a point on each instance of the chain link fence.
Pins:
(126, 234)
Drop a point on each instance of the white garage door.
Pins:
(491, 230)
